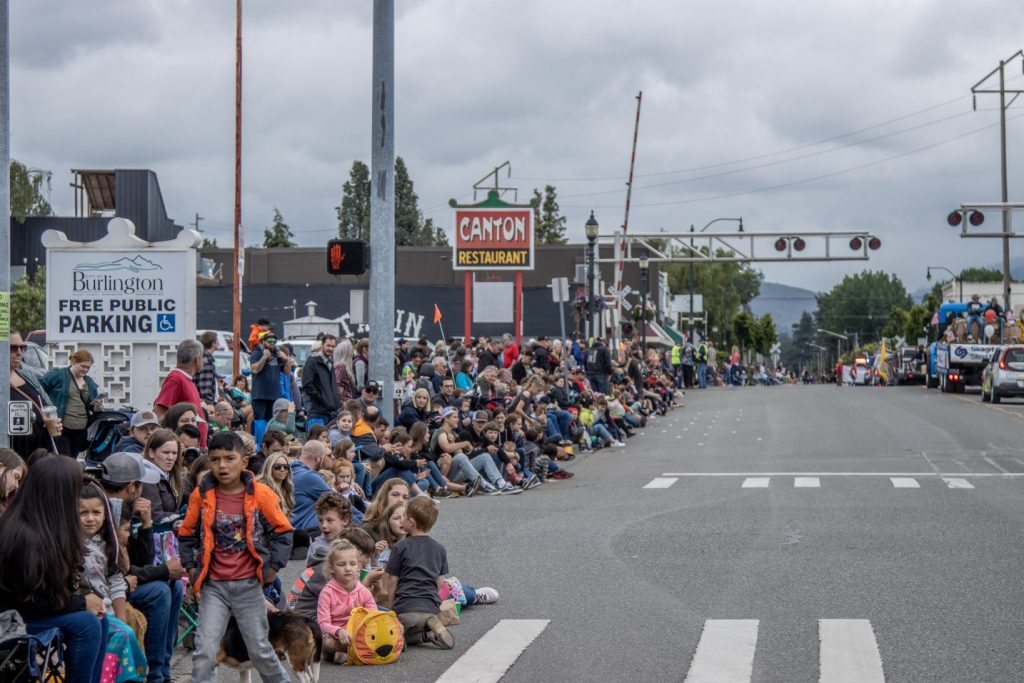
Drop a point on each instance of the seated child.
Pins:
(334, 515)
(344, 482)
(415, 571)
(284, 417)
(340, 595)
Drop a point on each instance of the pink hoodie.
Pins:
(335, 604)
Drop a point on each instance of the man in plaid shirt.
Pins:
(206, 380)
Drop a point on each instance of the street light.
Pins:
(840, 337)
(957, 280)
(591, 229)
(692, 276)
(645, 262)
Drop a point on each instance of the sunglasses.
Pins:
(19, 347)
(279, 467)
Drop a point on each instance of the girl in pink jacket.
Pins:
(342, 593)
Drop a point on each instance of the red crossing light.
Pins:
(976, 218)
(856, 243)
(955, 218)
(799, 244)
(874, 243)
(780, 244)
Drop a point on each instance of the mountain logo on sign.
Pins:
(136, 264)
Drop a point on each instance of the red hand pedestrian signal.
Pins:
(346, 257)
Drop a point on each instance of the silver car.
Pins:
(1003, 377)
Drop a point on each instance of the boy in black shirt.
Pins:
(415, 572)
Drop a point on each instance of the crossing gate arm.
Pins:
(774, 246)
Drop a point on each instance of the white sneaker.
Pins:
(618, 444)
(486, 596)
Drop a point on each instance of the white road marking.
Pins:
(1009, 475)
(848, 652)
(700, 444)
(957, 483)
(756, 483)
(493, 654)
(758, 438)
(660, 483)
(904, 483)
(807, 482)
(725, 652)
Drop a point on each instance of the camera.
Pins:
(190, 455)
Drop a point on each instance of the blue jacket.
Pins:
(309, 486)
(58, 381)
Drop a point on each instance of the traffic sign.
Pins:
(560, 289)
(20, 418)
(620, 296)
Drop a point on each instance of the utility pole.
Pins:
(239, 249)
(195, 225)
(5, 216)
(382, 205)
(1002, 91)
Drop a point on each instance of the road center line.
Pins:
(849, 652)
(957, 483)
(904, 483)
(660, 483)
(756, 483)
(494, 653)
(807, 482)
(725, 652)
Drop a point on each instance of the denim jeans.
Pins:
(702, 375)
(562, 418)
(408, 476)
(218, 601)
(432, 478)
(971, 320)
(85, 640)
(160, 602)
(601, 432)
(465, 470)
(599, 383)
(363, 478)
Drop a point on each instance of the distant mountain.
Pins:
(785, 304)
(135, 264)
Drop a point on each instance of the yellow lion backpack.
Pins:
(377, 637)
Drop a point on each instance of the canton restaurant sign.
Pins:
(132, 293)
(493, 235)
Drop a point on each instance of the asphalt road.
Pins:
(785, 534)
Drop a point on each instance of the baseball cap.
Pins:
(144, 417)
(447, 411)
(280, 404)
(126, 468)
(264, 321)
(481, 416)
(372, 387)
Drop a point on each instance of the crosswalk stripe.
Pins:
(660, 483)
(756, 482)
(957, 483)
(904, 483)
(807, 483)
(493, 654)
(848, 652)
(725, 652)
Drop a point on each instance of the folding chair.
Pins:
(187, 616)
(36, 658)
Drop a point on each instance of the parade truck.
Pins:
(954, 365)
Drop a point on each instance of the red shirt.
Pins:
(231, 559)
(511, 355)
(179, 388)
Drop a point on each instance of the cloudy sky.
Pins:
(794, 115)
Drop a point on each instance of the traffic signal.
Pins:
(346, 257)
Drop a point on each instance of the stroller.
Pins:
(104, 433)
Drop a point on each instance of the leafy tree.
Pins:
(861, 304)
(27, 192)
(208, 243)
(549, 223)
(278, 234)
(981, 275)
(354, 212)
(28, 302)
(766, 336)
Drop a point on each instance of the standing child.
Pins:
(415, 571)
(123, 659)
(339, 597)
(233, 541)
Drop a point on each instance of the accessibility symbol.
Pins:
(165, 322)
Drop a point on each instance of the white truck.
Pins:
(958, 366)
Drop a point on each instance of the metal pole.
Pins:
(591, 284)
(643, 311)
(382, 204)
(692, 287)
(236, 305)
(565, 349)
(5, 215)
(1002, 168)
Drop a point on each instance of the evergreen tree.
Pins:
(549, 224)
(27, 192)
(981, 275)
(28, 303)
(354, 212)
(208, 243)
(278, 234)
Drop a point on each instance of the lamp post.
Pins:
(645, 263)
(591, 229)
(957, 280)
(839, 337)
(692, 274)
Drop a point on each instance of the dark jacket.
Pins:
(599, 360)
(267, 529)
(319, 386)
(487, 358)
(140, 555)
(165, 503)
(410, 415)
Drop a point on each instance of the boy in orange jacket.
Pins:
(222, 544)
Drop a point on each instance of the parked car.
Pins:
(301, 348)
(1003, 377)
(225, 362)
(35, 361)
(227, 339)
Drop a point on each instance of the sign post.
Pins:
(560, 294)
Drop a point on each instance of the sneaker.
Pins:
(532, 483)
(486, 596)
(444, 493)
(493, 491)
(561, 474)
(437, 634)
(618, 444)
(508, 490)
(473, 488)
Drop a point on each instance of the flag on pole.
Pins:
(883, 363)
(437, 314)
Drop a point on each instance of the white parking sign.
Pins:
(20, 418)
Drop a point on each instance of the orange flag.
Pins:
(437, 314)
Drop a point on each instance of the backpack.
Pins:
(377, 637)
